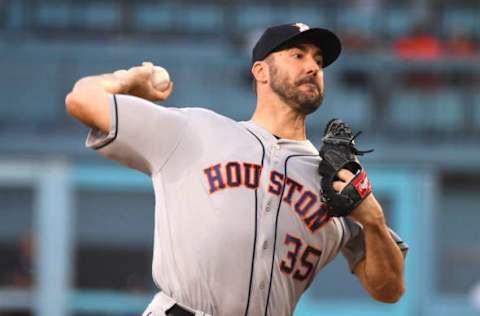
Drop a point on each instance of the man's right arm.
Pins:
(88, 101)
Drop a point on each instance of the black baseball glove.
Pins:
(338, 152)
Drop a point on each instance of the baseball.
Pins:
(160, 78)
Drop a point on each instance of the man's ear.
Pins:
(260, 71)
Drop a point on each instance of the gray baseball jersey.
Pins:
(239, 225)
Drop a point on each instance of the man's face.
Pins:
(296, 76)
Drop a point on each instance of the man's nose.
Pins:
(312, 66)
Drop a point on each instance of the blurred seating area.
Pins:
(442, 28)
(408, 66)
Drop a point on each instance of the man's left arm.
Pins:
(381, 271)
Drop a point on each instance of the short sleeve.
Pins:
(354, 242)
(142, 135)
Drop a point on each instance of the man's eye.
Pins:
(297, 56)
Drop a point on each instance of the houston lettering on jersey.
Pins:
(234, 174)
(306, 204)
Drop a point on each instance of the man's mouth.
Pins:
(308, 82)
(310, 85)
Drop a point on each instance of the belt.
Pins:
(177, 310)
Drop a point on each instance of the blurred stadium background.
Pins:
(76, 230)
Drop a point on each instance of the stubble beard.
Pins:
(290, 93)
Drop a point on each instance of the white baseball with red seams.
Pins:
(160, 78)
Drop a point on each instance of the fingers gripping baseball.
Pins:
(142, 81)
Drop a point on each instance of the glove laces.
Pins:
(357, 151)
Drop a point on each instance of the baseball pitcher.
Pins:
(246, 213)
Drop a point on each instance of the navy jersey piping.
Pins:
(255, 234)
(116, 125)
(276, 227)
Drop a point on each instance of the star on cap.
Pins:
(302, 27)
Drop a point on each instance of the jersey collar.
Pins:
(269, 138)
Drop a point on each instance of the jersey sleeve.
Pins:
(142, 135)
(354, 242)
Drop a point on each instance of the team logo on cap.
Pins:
(302, 27)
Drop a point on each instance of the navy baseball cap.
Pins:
(276, 36)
